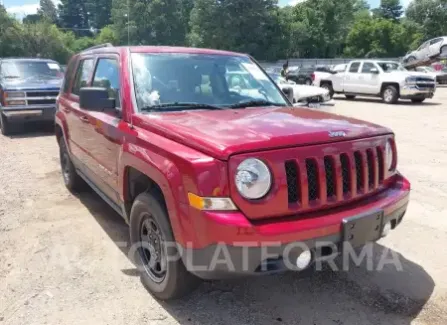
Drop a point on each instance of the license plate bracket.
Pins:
(362, 229)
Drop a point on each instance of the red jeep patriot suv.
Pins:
(220, 176)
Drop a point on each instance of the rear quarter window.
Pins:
(68, 75)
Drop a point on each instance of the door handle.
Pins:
(84, 119)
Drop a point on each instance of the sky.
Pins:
(22, 8)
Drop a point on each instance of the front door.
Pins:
(352, 78)
(104, 138)
(369, 81)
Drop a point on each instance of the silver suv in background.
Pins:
(428, 52)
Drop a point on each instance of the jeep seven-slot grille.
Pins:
(334, 177)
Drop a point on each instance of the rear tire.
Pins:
(150, 230)
(417, 100)
(350, 96)
(308, 82)
(390, 95)
(73, 182)
(328, 86)
(443, 52)
(5, 125)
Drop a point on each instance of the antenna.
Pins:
(128, 23)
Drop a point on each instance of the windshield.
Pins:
(30, 69)
(430, 69)
(216, 80)
(391, 66)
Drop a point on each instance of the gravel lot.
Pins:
(60, 264)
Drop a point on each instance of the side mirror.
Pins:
(96, 99)
(374, 70)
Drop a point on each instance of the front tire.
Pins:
(5, 125)
(73, 182)
(390, 95)
(151, 233)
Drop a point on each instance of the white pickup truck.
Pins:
(386, 79)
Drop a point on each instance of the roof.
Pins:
(26, 59)
(162, 49)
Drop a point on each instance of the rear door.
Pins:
(75, 117)
(435, 46)
(351, 79)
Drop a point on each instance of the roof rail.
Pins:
(98, 46)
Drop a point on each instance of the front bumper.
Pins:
(29, 113)
(412, 91)
(238, 247)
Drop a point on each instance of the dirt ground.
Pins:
(63, 258)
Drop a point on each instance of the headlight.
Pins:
(14, 94)
(253, 179)
(389, 155)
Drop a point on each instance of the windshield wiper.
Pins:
(254, 103)
(175, 106)
(11, 77)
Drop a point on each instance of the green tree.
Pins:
(48, 10)
(107, 35)
(32, 19)
(73, 16)
(250, 26)
(389, 9)
(45, 40)
(100, 12)
(431, 15)
(155, 22)
(326, 23)
(10, 35)
(377, 37)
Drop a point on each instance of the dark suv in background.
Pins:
(28, 91)
(302, 76)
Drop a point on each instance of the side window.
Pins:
(107, 76)
(82, 75)
(354, 68)
(367, 66)
(436, 40)
(423, 46)
(68, 76)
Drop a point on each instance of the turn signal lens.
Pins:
(14, 94)
(211, 203)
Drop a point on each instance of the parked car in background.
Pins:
(303, 76)
(28, 91)
(196, 168)
(428, 52)
(440, 76)
(305, 95)
(325, 74)
(386, 79)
